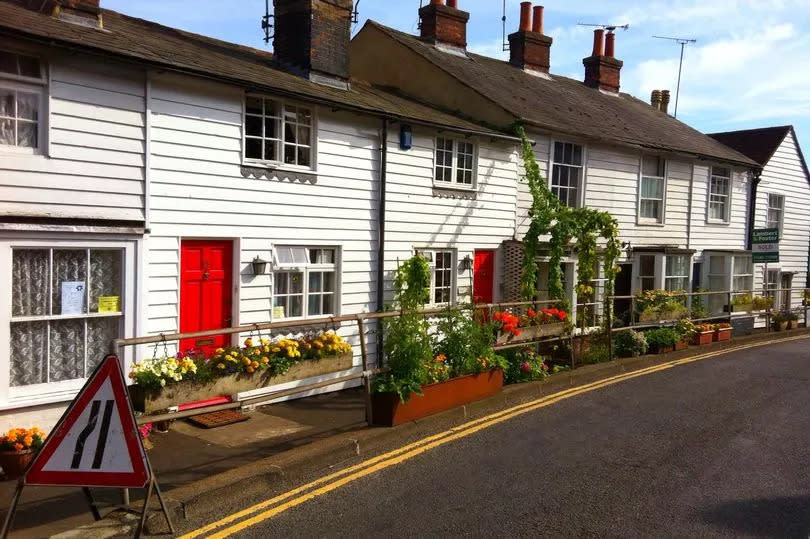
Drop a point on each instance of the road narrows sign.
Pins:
(96, 443)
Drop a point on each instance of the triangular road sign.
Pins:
(96, 442)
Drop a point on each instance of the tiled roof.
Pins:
(761, 144)
(566, 106)
(157, 45)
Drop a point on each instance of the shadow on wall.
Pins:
(767, 517)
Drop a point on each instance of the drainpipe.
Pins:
(689, 208)
(381, 233)
(752, 206)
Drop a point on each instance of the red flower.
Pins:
(516, 332)
(545, 367)
(525, 367)
(561, 315)
(531, 313)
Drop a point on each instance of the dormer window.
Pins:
(278, 133)
(22, 97)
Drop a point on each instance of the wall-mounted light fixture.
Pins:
(405, 137)
(259, 266)
(466, 263)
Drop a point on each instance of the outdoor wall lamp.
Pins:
(259, 266)
(466, 263)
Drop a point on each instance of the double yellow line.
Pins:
(272, 507)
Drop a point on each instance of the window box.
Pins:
(742, 308)
(531, 333)
(388, 410)
(681, 345)
(149, 400)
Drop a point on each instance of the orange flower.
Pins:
(28, 441)
(265, 360)
(18, 447)
(246, 361)
(250, 370)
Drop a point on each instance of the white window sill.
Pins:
(717, 222)
(643, 222)
(271, 165)
(453, 186)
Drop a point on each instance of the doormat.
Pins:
(218, 419)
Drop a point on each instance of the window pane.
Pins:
(66, 350)
(70, 270)
(105, 276)
(717, 265)
(281, 284)
(271, 128)
(721, 171)
(270, 150)
(295, 306)
(651, 209)
(271, 109)
(652, 166)
(328, 304)
(7, 103)
(296, 283)
(329, 281)
(289, 133)
(8, 63)
(29, 353)
(315, 281)
(303, 156)
(100, 331)
(29, 67)
(743, 265)
(577, 155)
(7, 135)
(253, 126)
(314, 304)
(652, 188)
(304, 116)
(647, 264)
(304, 135)
(289, 154)
(27, 106)
(30, 273)
(26, 134)
(558, 152)
(253, 105)
(253, 148)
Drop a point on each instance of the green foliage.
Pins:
(464, 341)
(630, 343)
(407, 346)
(760, 304)
(698, 307)
(785, 316)
(524, 365)
(662, 338)
(585, 225)
(686, 329)
(655, 305)
(598, 352)
(742, 299)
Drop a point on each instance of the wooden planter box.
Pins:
(703, 338)
(681, 345)
(532, 333)
(387, 409)
(722, 335)
(152, 400)
(743, 308)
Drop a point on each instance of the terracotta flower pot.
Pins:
(793, 324)
(14, 463)
(722, 335)
(681, 345)
(780, 326)
(703, 338)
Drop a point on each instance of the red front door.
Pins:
(483, 275)
(205, 292)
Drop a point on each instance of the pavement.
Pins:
(206, 473)
(713, 448)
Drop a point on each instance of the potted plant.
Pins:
(806, 298)
(630, 343)
(686, 330)
(662, 340)
(17, 450)
(704, 334)
(741, 303)
(780, 321)
(791, 318)
(760, 303)
(722, 332)
(162, 382)
(430, 372)
(534, 325)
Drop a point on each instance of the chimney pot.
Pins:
(598, 42)
(444, 24)
(537, 20)
(665, 101)
(525, 16)
(610, 44)
(655, 99)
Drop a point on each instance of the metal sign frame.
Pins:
(765, 245)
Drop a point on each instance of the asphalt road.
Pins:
(719, 447)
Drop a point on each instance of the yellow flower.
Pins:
(265, 360)
(246, 361)
(220, 366)
(28, 441)
(248, 343)
(266, 349)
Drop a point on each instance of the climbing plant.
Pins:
(583, 225)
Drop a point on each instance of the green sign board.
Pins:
(765, 245)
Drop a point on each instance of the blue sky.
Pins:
(748, 68)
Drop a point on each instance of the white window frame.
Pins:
(663, 200)
(45, 393)
(728, 197)
(430, 253)
(279, 163)
(454, 183)
(735, 275)
(687, 276)
(580, 195)
(641, 277)
(39, 86)
(769, 223)
(305, 269)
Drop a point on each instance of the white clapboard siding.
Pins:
(713, 236)
(784, 175)
(416, 217)
(198, 191)
(93, 167)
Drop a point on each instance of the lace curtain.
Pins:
(54, 350)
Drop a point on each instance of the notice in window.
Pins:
(109, 304)
(73, 293)
(278, 312)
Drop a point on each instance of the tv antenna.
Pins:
(504, 43)
(355, 17)
(683, 42)
(609, 27)
(267, 26)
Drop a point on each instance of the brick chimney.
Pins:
(664, 101)
(655, 99)
(81, 12)
(602, 70)
(442, 24)
(529, 48)
(312, 38)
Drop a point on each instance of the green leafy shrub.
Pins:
(686, 329)
(658, 339)
(524, 365)
(698, 306)
(630, 343)
(597, 353)
(761, 304)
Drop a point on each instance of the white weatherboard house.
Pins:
(143, 169)
(782, 192)
(677, 194)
